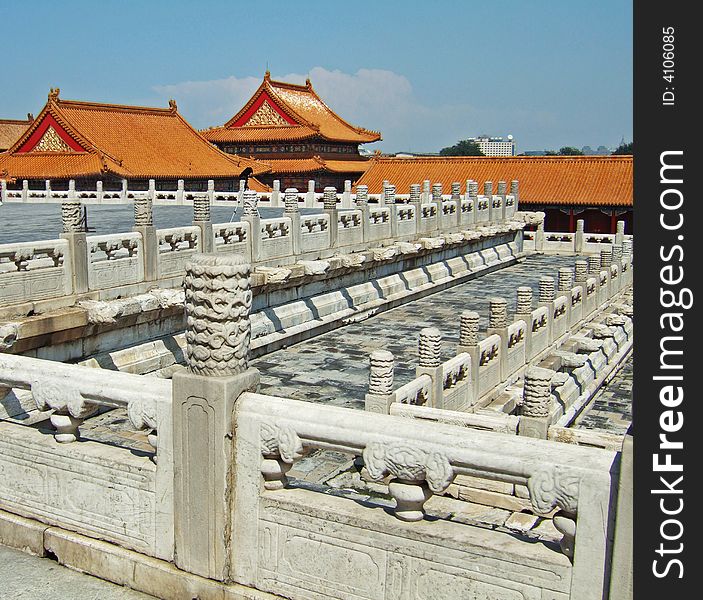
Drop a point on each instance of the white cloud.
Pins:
(372, 98)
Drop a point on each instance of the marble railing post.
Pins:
(152, 189)
(426, 193)
(619, 232)
(539, 237)
(502, 192)
(124, 191)
(362, 203)
(276, 193)
(144, 224)
(389, 201)
(546, 298)
(430, 363)
(498, 325)
(380, 395)
(347, 194)
(240, 191)
(203, 220)
(594, 265)
(250, 214)
(47, 189)
(515, 191)
(330, 207)
(579, 238)
(523, 306)
(291, 210)
(437, 200)
(565, 280)
(3, 190)
(180, 191)
(74, 233)
(536, 403)
(217, 300)
(468, 342)
(416, 201)
(310, 194)
(456, 196)
(99, 191)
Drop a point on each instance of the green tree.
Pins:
(624, 148)
(462, 148)
(570, 151)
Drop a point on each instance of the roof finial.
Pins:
(267, 75)
(307, 82)
(30, 116)
(54, 94)
(172, 105)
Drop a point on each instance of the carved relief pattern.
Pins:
(290, 199)
(546, 289)
(381, 372)
(201, 208)
(265, 115)
(362, 195)
(537, 392)
(251, 202)
(143, 212)
(430, 347)
(408, 463)
(71, 216)
(218, 300)
(552, 487)
(524, 300)
(280, 441)
(498, 313)
(51, 142)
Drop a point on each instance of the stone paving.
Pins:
(26, 577)
(611, 409)
(333, 368)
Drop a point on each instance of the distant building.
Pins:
(495, 146)
(597, 189)
(12, 129)
(87, 141)
(290, 128)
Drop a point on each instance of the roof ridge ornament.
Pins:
(172, 105)
(267, 75)
(53, 94)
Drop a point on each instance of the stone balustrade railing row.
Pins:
(484, 366)
(219, 503)
(579, 242)
(78, 263)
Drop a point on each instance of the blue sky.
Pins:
(425, 74)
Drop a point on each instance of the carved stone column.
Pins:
(74, 233)
(536, 402)
(565, 282)
(430, 363)
(606, 258)
(218, 300)
(389, 201)
(380, 394)
(362, 203)
(203, 220)
(546, 289)
(594, 265)
(144, 224)
(250, 214)
(619, 232)
(579, 236)
(437, 200)
(515, 191)
(416, 202)
(523, 307)
(456, 197)
(329, 199)
(292, 211)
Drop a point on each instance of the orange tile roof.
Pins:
(555, 180)
(11, 130)
(294, 106)
(315, 164)
(124, 141)
(263, 133)
(258, 186)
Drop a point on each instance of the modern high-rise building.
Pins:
(495, 146)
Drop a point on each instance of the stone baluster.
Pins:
(488, 189)
(617, 254)
(502, 188)
(426, 194)
(25, 190)
(523, 308)
(539, 237)
(627, 249)
(594, 265)
(74, 234)
(330, 208)
(468, 330)
(3, 190)
(362, 203)
(389, 194)
(144, 225)
(218, 299)
(515, 191)
(565, 281)
(250, 214)
(579, 236)
(276, 193)
(310, 194)
(47, 189)
(180, 192)
(292, 211)
(203, 220)
(437, 200)
(416, 203)
(380, 395)
(536, 403)
(473, 191)
(546, 289)
(580, 272)
(497, 314)
(619, 232)
(456, 197)
(347, 194)
(606, 258)
(430, 363)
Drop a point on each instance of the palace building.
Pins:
(597, 189)
(12, 129)
(87, 142)
(290, 128)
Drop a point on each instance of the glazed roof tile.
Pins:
(125, 141)
(302, 107)
(11, 130)
(544, 180)
(314, 164)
